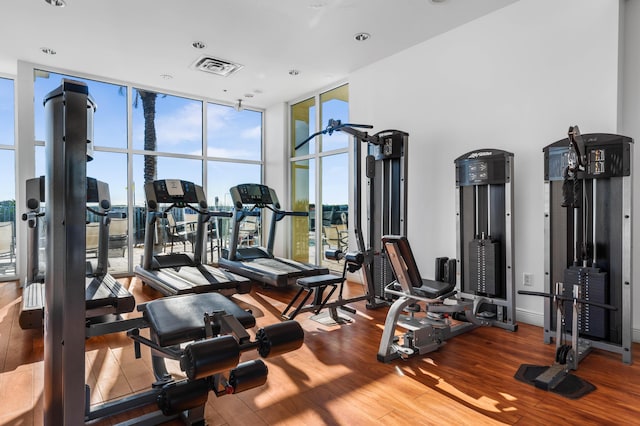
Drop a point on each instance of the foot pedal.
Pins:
(550, 378)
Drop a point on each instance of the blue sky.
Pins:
(230, 134)
(7, 132)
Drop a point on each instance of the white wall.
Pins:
(276, 168)
(514, 80)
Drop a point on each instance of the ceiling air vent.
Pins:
(216, 66)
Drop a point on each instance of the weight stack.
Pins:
(484, 266)
(382, 273)
(594, 286)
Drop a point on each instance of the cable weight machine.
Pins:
(588, 211)
(588, 191)
(386, 171)
(484, 224)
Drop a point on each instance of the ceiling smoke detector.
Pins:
(216, 66)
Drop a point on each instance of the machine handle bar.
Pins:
(561, 297)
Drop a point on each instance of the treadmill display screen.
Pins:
(174, 188)
(254, 194)
(175, 191)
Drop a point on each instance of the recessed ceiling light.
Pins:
(47, 51)
(294, 72)
(56, 3)
(362, 36)
(248, 95)
(166, 76)
(438, 1)
(198, 45)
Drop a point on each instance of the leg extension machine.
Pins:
(424, 333)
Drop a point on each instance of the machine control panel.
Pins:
(251, 193)
(483, 167)
(174, 191)
(97, 192)
(606, 156)
(391, 146)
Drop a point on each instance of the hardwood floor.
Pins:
(334, 379)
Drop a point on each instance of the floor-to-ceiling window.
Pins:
(319, 176)
(167, 144)
(109, 162)
(234, 154)
(142, 135)
(8, 187)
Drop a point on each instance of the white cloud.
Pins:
(252, 133)
(184, 125)
(231, 153)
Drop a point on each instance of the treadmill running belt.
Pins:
(106, 291)
(273, 271)
(281, 266)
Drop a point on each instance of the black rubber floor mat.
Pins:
(572, 387)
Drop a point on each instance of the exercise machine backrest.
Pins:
(402, 261)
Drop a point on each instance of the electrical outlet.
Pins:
(527, 279)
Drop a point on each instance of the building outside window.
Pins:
(8, 187)
(319, 176)
(165, 139)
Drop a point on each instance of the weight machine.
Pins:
(588, 211)
(386, 171)
(205, 332)
(480, 292)
(484, 225)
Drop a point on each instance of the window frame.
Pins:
(14, 149)
(317, 156)
(26, 165)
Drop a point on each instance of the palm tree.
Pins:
(150, 139)
(149, 114)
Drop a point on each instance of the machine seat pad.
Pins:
(433, 289)
(319, 280)
(180, 319)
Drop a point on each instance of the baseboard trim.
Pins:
(529, 317)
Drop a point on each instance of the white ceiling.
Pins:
(138, 41)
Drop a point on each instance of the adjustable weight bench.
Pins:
(206, 333)
(318, 284)
(423, 333)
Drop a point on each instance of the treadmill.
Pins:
(259, 263)
(182, 273)
(105, 298)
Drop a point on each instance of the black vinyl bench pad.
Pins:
(180, 319)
